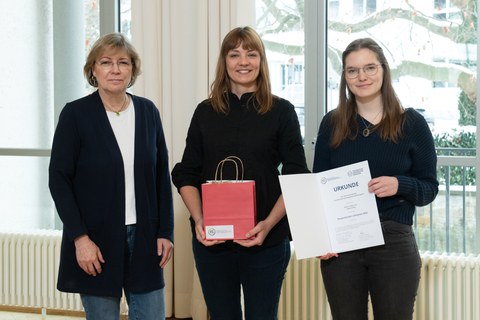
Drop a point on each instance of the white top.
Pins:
(123, 126)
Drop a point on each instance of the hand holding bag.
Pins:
(229, 206)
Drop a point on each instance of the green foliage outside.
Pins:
(467, 110)
(458, 143)
(449, 224)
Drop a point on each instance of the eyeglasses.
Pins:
(369, 70)
(108, 64)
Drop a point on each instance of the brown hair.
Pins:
(111, 41)
(249, 39)
(344, 117)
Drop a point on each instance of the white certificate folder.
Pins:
(331, 211)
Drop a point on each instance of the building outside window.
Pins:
(281, 26)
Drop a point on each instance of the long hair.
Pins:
(249, 39)
(344, 121)
(111, 41)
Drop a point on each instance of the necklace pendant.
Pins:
(118, 113)
(366, 132)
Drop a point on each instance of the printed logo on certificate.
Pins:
(331, 211)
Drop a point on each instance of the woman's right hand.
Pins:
(88, 254)
(200, 233)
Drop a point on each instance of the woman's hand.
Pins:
(256, 236)
(164, 249)
(88, 254)
(200, 233)
(191, 198)
(328, 256)
(383, 186)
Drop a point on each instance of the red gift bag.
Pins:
(229, 206)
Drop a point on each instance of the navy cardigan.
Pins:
(86, 180)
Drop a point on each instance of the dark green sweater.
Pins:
(412, 160)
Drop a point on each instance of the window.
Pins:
(280, 24)
(126, 17)
(362, 8)
(434, 72)
(28, 111)
(444, 10)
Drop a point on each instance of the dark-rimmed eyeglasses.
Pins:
(369, 70)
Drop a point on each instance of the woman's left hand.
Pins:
(328, 256)
(164, 249)
(256, 236)
(383, 186)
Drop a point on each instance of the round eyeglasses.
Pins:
(369, 70)
(108, 64)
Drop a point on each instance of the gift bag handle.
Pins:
(236, 160)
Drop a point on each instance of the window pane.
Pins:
(433, 61)
(25, 199)
(27, 107)
(280, 24)
(434, 70)
(126, 17)
(26, 113)
(92, 30)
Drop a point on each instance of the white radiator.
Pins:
(303, 296)
(449, 286)
(29, 269)
(449, 290)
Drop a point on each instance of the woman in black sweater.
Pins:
(370, 124)
(242, 118)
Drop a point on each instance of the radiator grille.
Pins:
(29, 270)
(449, 290)
(449, 285)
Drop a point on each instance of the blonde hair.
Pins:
(111, 41)
(249, 39)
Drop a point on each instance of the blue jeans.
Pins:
(141, 306)
(225, 269)
(390, 273)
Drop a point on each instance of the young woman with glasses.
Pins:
(370, 123)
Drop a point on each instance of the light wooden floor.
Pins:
(9, 315)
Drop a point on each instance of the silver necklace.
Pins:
(366, 132)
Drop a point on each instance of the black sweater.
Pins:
(412, 160)
(263, 142)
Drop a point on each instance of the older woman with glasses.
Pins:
(110, 180)
(370, 123)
